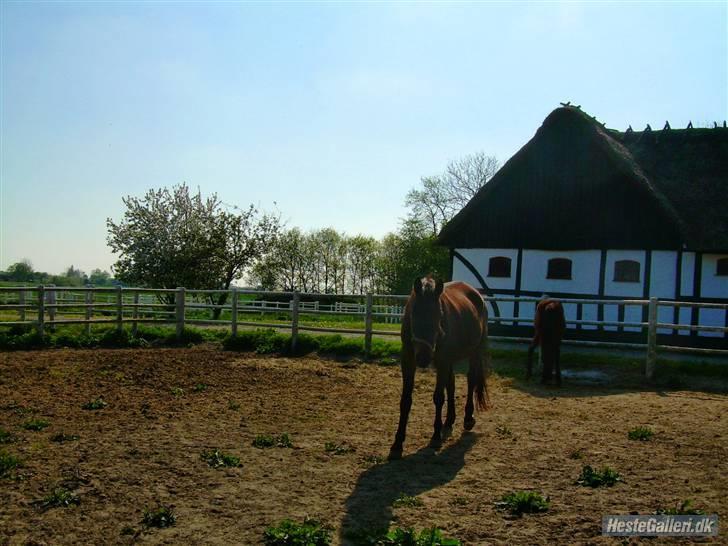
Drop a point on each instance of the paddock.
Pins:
(166, 406)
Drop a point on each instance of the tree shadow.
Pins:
(369, 507)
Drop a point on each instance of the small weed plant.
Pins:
(642, 434)
(8, 463)
(62, 437)
(523, 502)
(606, 477)
(263, 441)
(683, 509)
(97, 404)
(35, 424)
(408, 501)
(218, 459)
(60, 497)
(338, 449)
(290, 533)
(160, 517)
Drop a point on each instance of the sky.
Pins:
(327, 113)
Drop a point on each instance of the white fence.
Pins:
(49, 306)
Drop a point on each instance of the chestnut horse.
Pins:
(549, 325)
(443, 323)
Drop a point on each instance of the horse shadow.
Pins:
(369, 507)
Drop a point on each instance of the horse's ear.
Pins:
(417, 285)
(439, 286)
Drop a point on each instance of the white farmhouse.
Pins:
(582, 211)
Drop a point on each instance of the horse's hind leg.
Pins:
(475, 362)
(450, 419)
(557, 363)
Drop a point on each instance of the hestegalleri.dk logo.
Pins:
(660, 526)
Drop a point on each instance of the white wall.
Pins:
(585, 281)
(712, 285)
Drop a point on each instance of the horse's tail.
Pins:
(482, 371)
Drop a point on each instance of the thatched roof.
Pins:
(578, 185)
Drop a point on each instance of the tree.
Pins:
(442, 196)
(170, 238)
(362, 263)
(20, 271)
(99, 278)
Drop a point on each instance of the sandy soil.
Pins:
(144, 449)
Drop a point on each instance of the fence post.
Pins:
(119, 309)
(179, 300)
(41, 310)
(135, 314)
(234, 314)
(21, 301)
(368, 326)
(88, 301)
(651, 339)
(52, 306)
(294, 320)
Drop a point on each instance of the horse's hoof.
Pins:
(394, 454)
(435, 443)
(469, 423)
(446, 432)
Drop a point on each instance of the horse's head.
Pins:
(426, 320)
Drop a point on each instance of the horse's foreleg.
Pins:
(450, 419)
(405, 404)
(443, 374)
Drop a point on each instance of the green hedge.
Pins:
(268, 341)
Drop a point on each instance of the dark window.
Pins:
(499, 267)
(559, 268)
(722, 267)
(626, 271)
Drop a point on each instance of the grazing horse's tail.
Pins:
(482, 371)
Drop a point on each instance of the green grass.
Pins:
(606, 477)
(35, 424)
(177, 391)
(290, 533)
(640, 433)
(8, 463)
(218, 459)
(200, 387)
(59, 498)
(408, 501)
(96, 404)
(160, 517)
(263, 441)
(523, 502)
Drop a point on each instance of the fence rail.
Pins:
(41, 307)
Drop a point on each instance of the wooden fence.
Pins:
(45, 307)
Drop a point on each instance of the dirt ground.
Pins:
(143, 449)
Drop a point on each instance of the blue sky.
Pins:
(328, 112)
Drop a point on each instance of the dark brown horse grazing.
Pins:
(549, 325)
(444, 324)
